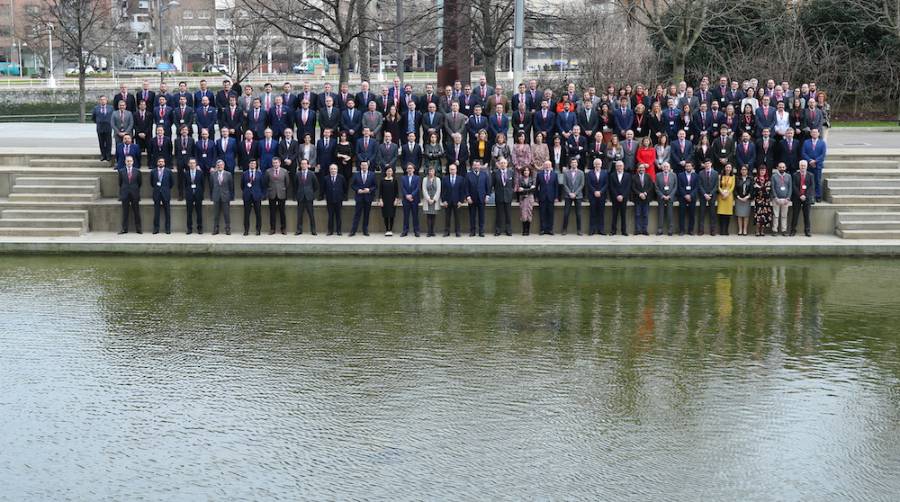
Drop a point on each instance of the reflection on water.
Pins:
(349, 378)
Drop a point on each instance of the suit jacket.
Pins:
(547, 187)
(102, 116)
(188, 97)
(232, 119)
(666, 187)
(305, 127)
(722, 148)
(453, 193)
(765, 154)
(364, 152)
(637, 187)
(122, 123)
(431, 124)
(678, 155)
(162, 116)
(816, 153)
(306, 190)
(362, 100)
(266, 153)
(291, 153)
(708, 184)
(410, 125)
(143, 125)
(789, 153)
(257, 122)
(454, 125)
(244, 154)
(498, 124)
(478, 187)
(813, 118)
(148, 96)
(194, 193)
(475, 124)
(276, 185)
(156, 151)
(130, 103)
(183, 118)
(184, 150)
(517, 98)
(806, 184)
(597, 183)
(617, 188)
(783, 189)
(765, 118)
(445, 104)
(129, 188)
(688, 186)
(387, 155)
(329, 120)
(310, 96)
(461, 158)
(629, 155)
(622, 120)
(162, 185)
(206, 119)
(122, 150)
(521, 123)
(547, 124)
(358, 184)
(745, 154)
(410, 156)
(590, 124)
(320, 100)
(425, 99)
(334, 191)
(503, 192)
(351, 124)
(221, 192)
(374, 121)
(565, 121)
(198, 98)
(279, 121)
(491, 104)
(325, 155)
(467, 104)
(227, 151)
(206, 156)
(222, 98)
(573, 182)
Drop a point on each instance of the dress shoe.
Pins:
(123, 232)
(139, 231)
(246, 232)
(339, 234)
(471, 234)
(272, 232)
(496, 234)
(312, 233)
(189, 232)
(298, 232)
(670, 234)
(446, 234)
(199, 232)
(480, 234)
(155, 232)
(591, 233)
(403, 234)
(257, 232)
(352, 234)
(579, 233)
(624, 234)
(793, 233)
(457, 234)
(699, 234)
(658, 232)
(365, 233)
(228, 232)
(509, 234)
(808, 234)
(168, 231)
(330, 233)
(549, 233)
(417, 234)
(215, 232)
(784, 234)
(564, 232)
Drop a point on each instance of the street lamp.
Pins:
(380, 58)
(160, 8)
(51, 81)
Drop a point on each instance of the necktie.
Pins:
(121, 116)
(129, 175)
(220, 177)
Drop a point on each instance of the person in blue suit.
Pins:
(256, 119)
(671, 119)
(325, 148)
(161, 181)
(226, 149)
(597, 181)
(688, 188)
(410, 195)
(363, 186)
(453, 193)
(351, 120)
(498, 122)
(814, 150)
(334, 191)
(280, 118)
(623, 117)
(547, 194)
(619, 193)
(253, 194)
(124, 149)
(544, 120)
(565, 121)
(681, 152)
(745, 152)
(366, 148)
(478, 188)
(268, 149)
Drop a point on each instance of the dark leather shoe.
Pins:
(272, 232)
(352, 234)
(123, 232)
(228, 232)
(312, 233)
(403, 234)
(155, 232)
(246, 232)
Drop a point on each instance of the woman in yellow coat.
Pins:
(726, 198)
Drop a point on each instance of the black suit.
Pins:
(305, 190)
(130, 103)
(806, 187)
(616, 189)
(130, 196)
(143, 125)
(503, 195)
(193, 190)
(335, 192)
(156, 151)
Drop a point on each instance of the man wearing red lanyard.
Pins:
(802, 198)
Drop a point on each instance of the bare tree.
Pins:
(884, 14)
(84, 28)
(249, 36)
(678, 24)
(491, 26)
(362, 43)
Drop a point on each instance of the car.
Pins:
(72, 71)
(216, 68)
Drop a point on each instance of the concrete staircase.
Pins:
(869, 186)
(38, 199)
(68, 162)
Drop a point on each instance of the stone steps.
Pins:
(20, 188)
(871, 188)
(867, 216)
(861, 182)
(58, 180)
(868, 234)
(49, 198)
(64, 162)
(864, 198)
(861, 164)
(839, 172)
(40, 232)
(42, 222)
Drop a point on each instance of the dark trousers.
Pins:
(105, 141)
(334, 216)
(797, 208)
(277, 206)
(361, 211)
(664, 215)
(305, 207)
(131, 204)
(476, 215)
(179, 178)
(641, 216)
(451, 213)
(410, 215)
(545, 208)
(569, 205)
(160, 203)
(256, 207)
(502, 221)
(686, 212)
(595, 218)
(618, 215)
(222, 207)
(707, 210)
(724, 223)
(194, 206)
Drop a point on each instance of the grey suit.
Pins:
(573, 182)
(221, 196)
(454, 126)
(629, 154)
(503, 184)
(276, 192)
(387, 155)
(666, 186)
(709, 185)
(122, 123)
(782, 188)
(374, 121)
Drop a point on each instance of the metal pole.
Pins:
(380, 59)
(519, 43)
(51, 82)
(159, 27)
(401, 60)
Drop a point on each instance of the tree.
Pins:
(83, 28)
(884, 15)
(679, 24)
(491, 26)
(248, 38)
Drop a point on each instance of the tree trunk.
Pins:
(344, 55)
(81, 104)
(362, 46)
(678, 62)
(490, 67)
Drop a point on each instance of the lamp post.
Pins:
(380, 58)
(159, 12)
(51, 81)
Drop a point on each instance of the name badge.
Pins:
(715, 124)
(162, 121)
(724, 151)
(467, 107)
(159, 183)
(686, 128)
(184, 152)
(797, 124)
(666, 187)
(687, 187)
(249, 185)
(671, 122)
(783, 188)
(204, 156)
(803, 187)
(182, 121)
(747, 127)
(638, 129)
(193, 186)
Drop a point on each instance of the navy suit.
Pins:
(565, 121)
(156, 151)
(745, 155)
(101, 116)
(677, 155)
(268, 148)
(163, 117)
(122, 150)
(687, 209)
(461, 159)
(477, 188)
(815, 153)
(546, 125)
(162, 196)
(596, 183)
(307, 127)
(619, 188)
(498, 124)
(622, 121)
(363, 200)
(334, 192)
(324, 157)
(351, 124)
(253, 193)
(206, 119)
(193, 197)
(279, 121)
(410, 156)
(473, 125)
(547, 191)
(233, 120)
(453, 194)
(198, 98)
(366, 153)
(256, 122)
(410, 185)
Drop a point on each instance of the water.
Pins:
(448, 379)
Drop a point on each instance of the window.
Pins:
(203, 14)
(187, 14)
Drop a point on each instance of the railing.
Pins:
(45, 117)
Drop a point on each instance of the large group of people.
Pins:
(745, 151)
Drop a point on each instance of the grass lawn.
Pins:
(867, 123)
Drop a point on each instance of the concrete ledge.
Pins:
(377, 245)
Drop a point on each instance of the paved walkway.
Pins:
(81, 138)
(558, 245)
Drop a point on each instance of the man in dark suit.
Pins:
(184, 151)
(802, 198)
(288, 98)
(306, 187)
(623, 117)
(503, 188)
(597, 182)
(162, 116)
(289, 151)
(765, 116)
(275, 183)
(322, 98)
(351, 121)
(160, 148)
(468, 101)
(427, 98)
(308, 95)
(544, 121)
(366, 149)
(476, 123)
(789, 152)
(146, 95)
(708, 183)
(122, 122)
(143, 125)
(411, 152)
(325, 156)
(128, 99)
(458, 154)
(410, 195)
(183, 92)
(453, 194)
(193, 190)
(305, 120)
(205, 153)
(280, 118)
(642, 192)
(247, 149)
(588, 119)
(387, 154)
(232, 117)
(183, 116)
(521, 123)
(161, 180)
(565, 122)
(257, 118)
(102, 117)
(222, 195)
(329, 116)
(547, 192)
(478, 188)
(127, 149)
(364, 97)
(224, 95)
(765, 150)
(498, 123)
(432, 122)
(363, 186)
(723, 149)
(521, 98)
(204, 92)
(682, 152)
(130, 194)
(666, 191)
(620, 188)
(745, 152)
(252, 191)
(813, 152)
(334, 190)
(411, 120)
(205, 115)
(688, 188)
(226, 149)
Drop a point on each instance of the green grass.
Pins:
(867, 123)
